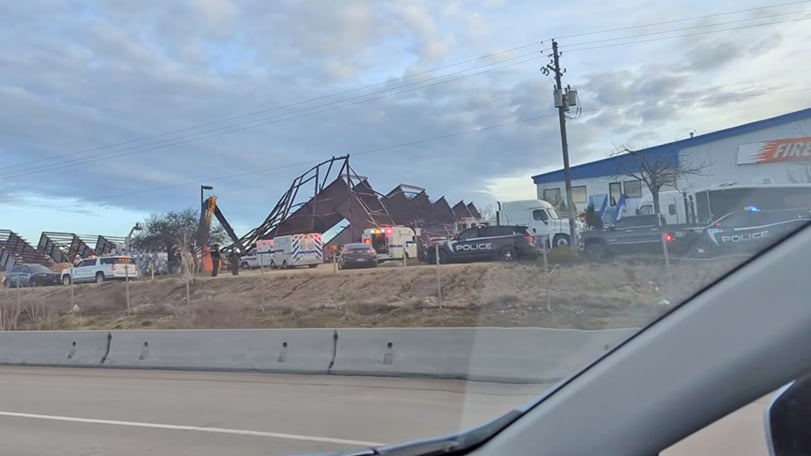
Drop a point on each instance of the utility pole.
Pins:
(563, 100)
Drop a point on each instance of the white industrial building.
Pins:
(770, 151)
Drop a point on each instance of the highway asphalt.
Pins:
(88, 412)
(62, 411)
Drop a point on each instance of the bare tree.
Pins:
(488, 213)
(657, 171)
(175, 231)
(184, 238)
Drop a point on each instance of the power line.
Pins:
(676, 21)
(340, 105)
(310, 163)
(417, 142)
(236, 128)
(686, 35)
(694, 27)
(289, 105)
(438, 138)
(462, 62)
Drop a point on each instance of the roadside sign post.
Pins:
(127, 282)
(545, 255)
(19, 297)
(438, 278)
(262, 285)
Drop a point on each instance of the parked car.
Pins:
(100, 269)
(749, 231)
(636, 234)
(628, 235)
(357, 255)
(504, 242)
(30, 275)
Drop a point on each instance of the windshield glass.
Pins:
(552, 213)
(39, 269)
(427, 137)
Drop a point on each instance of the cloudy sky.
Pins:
(111, 111)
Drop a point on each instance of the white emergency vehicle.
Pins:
(391, 242)
(260, 256)
(706, 205)
(99, 269)
(540, 218)
(294, 250)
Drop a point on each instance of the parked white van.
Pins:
(294, 250)
(671, 204)
(540, 217)
(99, 269)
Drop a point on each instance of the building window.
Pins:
(552, 195)
(579, 194)
(633, 189)
(614, 192)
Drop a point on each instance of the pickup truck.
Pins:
(636, 234)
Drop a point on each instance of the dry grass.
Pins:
(617, 294)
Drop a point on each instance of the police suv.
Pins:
(482, 243)
(750, 230)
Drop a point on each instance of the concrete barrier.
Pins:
(54, 348)
(485, 354)
(275, 350)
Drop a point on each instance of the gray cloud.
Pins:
(709, 57)
(111, 72)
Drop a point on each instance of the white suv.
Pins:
(100, 269)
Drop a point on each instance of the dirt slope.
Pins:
(482, 294)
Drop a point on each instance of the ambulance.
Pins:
(391, 242)
(296, 250)
(260, 256)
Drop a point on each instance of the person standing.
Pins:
(215, 260)
(234, 259)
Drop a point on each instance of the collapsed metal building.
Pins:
(54, 248)
(14, 248)
(332, 195)
(328, 197)
(63, 247)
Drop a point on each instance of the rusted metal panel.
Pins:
(474, 211)
(460, 211)
(351, 197)
(14, 248)
(105, 245)
(63, 247)
(442, 212)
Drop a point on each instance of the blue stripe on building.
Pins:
(670, 151)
